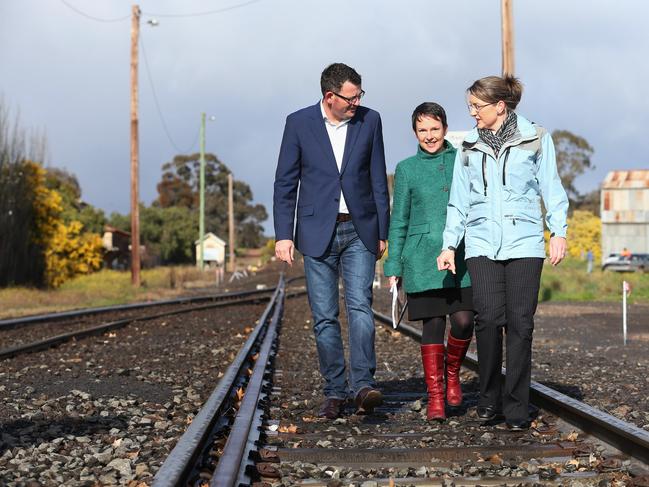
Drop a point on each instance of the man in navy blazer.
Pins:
(333, 153)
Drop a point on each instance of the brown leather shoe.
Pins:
(331, 408)
(367, 399)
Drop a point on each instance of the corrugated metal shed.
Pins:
(625, 211)
(627, 179)
(625, 197)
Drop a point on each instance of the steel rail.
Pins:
(182, 460)
(296, 278)
(624, 436)
(113, 325)
(34, 319)
(231, 469)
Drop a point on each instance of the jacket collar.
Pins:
(320, 131)
(526, 130)
(422, 154)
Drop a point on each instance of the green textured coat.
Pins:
(421, 190)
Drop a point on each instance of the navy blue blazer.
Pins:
(306, 157)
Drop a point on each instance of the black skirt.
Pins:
(439, 302)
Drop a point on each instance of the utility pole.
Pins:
(201, 223)
(135, 209)
(508, 37)
(231, 221)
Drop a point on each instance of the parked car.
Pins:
(635, 263)
(612, 257)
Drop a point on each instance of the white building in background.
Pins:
(214, 249)
(625, 212)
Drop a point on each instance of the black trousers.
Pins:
(505, 295)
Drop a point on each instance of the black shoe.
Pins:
(518, 425)
(488, 413)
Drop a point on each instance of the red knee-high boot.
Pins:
(432, 357)
(455, 353)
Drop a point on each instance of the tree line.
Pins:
(169, 226)
(48, 233)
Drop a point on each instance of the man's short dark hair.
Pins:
(429, 109)
(334, 76)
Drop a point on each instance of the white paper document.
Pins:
(395, 292)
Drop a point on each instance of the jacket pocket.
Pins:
(479, 227)
(304, 210)
(523, 229)
(369, 206)
(525, 213)
(415, 234)
(418, 229)
(477, 215)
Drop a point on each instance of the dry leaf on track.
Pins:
(288, 429)
(495, 459)
(572, 436)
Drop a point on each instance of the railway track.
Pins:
(108, 410)
(24, 321)
(81, 330)
(259, 425)
(268, 434)
(215, 449)
(76, 330)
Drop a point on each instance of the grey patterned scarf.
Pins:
(507, 130)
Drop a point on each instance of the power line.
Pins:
(195, 14)
(208, 12)
(91, 17)
(157, 105)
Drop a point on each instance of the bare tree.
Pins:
(21, 258)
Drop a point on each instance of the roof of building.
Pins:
(210, 235)
(108, 228)
(638, 178)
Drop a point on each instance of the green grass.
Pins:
(104, 288)
(569, 281)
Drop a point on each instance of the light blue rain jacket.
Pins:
(495, 204)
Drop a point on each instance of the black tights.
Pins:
(434, 328)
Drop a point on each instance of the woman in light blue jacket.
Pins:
(504, 169)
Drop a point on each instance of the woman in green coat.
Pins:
(421, 190)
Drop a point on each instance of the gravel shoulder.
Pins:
(108, 410)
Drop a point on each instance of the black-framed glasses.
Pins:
(352, 99)
(477, 108)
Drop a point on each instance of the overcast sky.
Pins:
(583, 64)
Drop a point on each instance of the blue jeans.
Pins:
(346, 255)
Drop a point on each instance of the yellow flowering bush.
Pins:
(584, 233)
(68, 250)
(46, 205)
